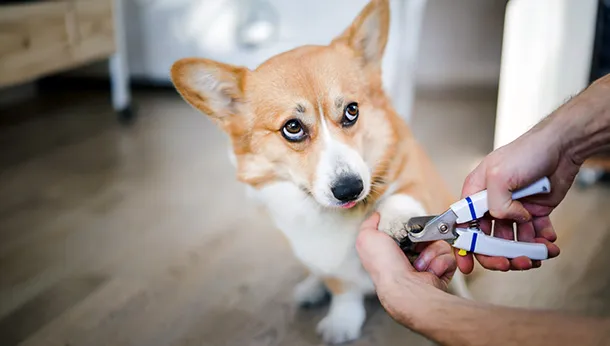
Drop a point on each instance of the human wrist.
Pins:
(440, 316)
(414, 304)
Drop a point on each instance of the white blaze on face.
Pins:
(337, 160)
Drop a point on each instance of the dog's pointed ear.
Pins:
(367, 36)
(214, 88)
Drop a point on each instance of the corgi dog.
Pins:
(314, 136)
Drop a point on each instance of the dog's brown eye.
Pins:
(350, 115)
(293, 131)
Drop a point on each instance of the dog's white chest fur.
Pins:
(322, 239)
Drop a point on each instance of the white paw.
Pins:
(343, 322)
(309, 291)
(395, 213)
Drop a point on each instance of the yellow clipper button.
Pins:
(462, 252)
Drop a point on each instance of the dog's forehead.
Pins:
(310, 72)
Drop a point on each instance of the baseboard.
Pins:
(17, 94)
(97, 83)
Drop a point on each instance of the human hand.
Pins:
(392, 273)
(536, 154)
(555, 147)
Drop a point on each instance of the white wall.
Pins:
(461, 43)
(546, 60)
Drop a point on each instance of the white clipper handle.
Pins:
(480, 243)
(475, 206)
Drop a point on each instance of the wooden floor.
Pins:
(141, 236)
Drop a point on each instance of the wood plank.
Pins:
(32, 11)
(11, 42)
(46, 38)
(87, 316)
(43, 308)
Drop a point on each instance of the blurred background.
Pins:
(121, 222)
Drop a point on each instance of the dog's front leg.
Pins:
(310, 291)
(346, 315)
(396, 211)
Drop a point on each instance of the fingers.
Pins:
(553, 249)
(371, 223)
(525, 232)
(437, 259)
(379, 254)
(485, 224)
(545, 234)
(521, 263)
(504, 264)
(493, 263)
(501, 229)
(501, 204)
(504, 229)
(500, 200)
(544, 228)
(430, 253)
(475, 181)
(465, 263)
(443, 266)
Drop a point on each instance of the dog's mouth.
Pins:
(348, 205)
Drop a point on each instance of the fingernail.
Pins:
(420, 264)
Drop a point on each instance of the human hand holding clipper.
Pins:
(471, 238)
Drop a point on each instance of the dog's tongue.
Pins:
(349, 205)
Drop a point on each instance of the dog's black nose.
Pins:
(347, 188)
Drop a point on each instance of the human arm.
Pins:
(416, 299)
(450, 320)
(556, 147)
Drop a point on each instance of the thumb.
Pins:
(371, 223)
(501, 203)
(475, 181)
(381, 257)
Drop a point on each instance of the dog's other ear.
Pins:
(214, 88)
(368, 33)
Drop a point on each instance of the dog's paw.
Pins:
(395, 213)
(309, 292)
(343, 323)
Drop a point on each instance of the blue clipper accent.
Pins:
(473, 243)
(473, 214)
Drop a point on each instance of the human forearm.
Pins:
(582, 125)
(449, 320)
